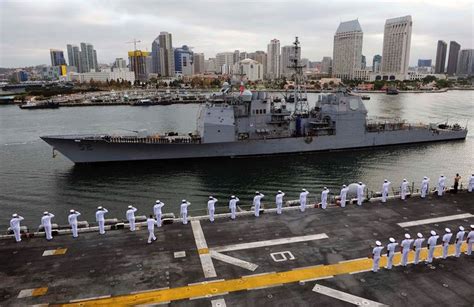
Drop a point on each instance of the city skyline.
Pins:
(30, 29)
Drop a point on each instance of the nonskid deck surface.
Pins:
(295, 259)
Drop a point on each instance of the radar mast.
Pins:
(300, 95)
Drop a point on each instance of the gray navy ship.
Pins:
(245, 123)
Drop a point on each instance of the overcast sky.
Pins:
(30, 28)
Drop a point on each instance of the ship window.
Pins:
(264, 111)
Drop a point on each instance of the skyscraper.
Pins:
(326, 64)
(441, 57)
(119, 64)
(287, 54)
(224, 62)
(396, 45)
(454, 48)
(363, 62)
(88, 58)
(138, 64)
(273, 59)
(57, 57)
(183, 61)
(167, 63)
(236, 57)
(465, 65)
(347, 51)
(74, 56)
(376, 63)
(198, 63)
(155, 56)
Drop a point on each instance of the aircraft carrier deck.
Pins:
(319, 257)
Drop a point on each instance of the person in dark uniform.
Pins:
(456, 183)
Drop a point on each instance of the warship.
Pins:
(245, 123)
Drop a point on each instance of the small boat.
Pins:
(392, 91)
(365, 97)
(30, 105)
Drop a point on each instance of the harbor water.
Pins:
(32, 181)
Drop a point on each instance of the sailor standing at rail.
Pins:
(99, 217)
(131, 217)
(432, 241)
(256, 202)
(403, 189)
(441, 185)
(376, 255)
(46, 222)
(446, 238)
(72, 218)
(184, 210)
(417, 246)
(150, 223)
(343, 195)
(233, 206)
(425, 185)
(459, 240)
(157, 211)
(360, 193)
(406, 246)
(391, 252)
(211, 207)
(470, 185)
(279, 201)
(385, 187)
(303, 196)
(15, 226)
(324, 198)
(470, 240)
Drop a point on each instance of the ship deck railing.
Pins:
(152, 139)
(393, 126)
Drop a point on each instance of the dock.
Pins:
(316, 257)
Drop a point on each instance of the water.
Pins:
(32, 182)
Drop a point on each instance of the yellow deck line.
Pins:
(60, 251)
(252, 282)
(39, 291)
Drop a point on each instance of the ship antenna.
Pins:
(300, 96)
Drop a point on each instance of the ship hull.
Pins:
(80, 150)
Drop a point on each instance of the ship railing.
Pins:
(394, 126)
(153, 139)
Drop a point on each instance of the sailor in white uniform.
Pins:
(72, 218)
(446, 238)
(403, 189)
(441, 185)
(324, 198)
(157, 211)
(385, 187)
(360, 193)
(470, 185)
(279, 201)
(256, 202)
(391, 252)
(425, 186)
(233, 206)
(99, 217)
(46, 222)
(459, 240)
(130, 214)
(432, 241)
(376, 255)
(343, 195)
(15, 226)
(150, 223)
(406, 246)
(211, 207)
(184, 210)
(303, 195)
(470, 240)
(417, 246)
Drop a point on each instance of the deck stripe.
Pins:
(203, 250)
(218, 303)
(252, 282)
(234, 261)
(32, 292)
(54, 252)
(346, 297)
(435, 220)
(241, 246)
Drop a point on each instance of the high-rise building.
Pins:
(347, 51)
(441, 51)
(236, 57)
(396, 45)
(120, 63)
(273, 59)
(138, 64)
(376, 63)
(166, 53)
(326, 64)
(199, 63)
(424, 62)
(465, 65)
(183, 61)
(261, 57)
(57, 57)
(363, 62)
(454, 48)
(287, 55)
(224, 62)
(74, 56)
(210, 65)
(243, 55)
(155, 56)
(88, 58)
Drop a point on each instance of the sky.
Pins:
(29, 28)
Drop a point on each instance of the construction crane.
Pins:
(134, 42)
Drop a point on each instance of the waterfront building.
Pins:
(166, 54)
(362, 74)
(198, 62)
(273, 59)
(103, 76)
(251, 69)
(424, 62)
(465, 65)
(224, 62)
(138, 64)
(210, 66)
(347, 50)
(57, 57)
(183, 61)
(287, 55)
(155, 56)
(396, 47)
(261, 57)
(120, 63)
(20, 76)
(326, 65)
(376, 63)
(441, 57)
(454, 48)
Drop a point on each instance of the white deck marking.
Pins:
(234, 247)
(234, 261)
(346, 297)
(282, 256)
(206, 260)
(435, 220)
(180, 254)
(218, 303)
